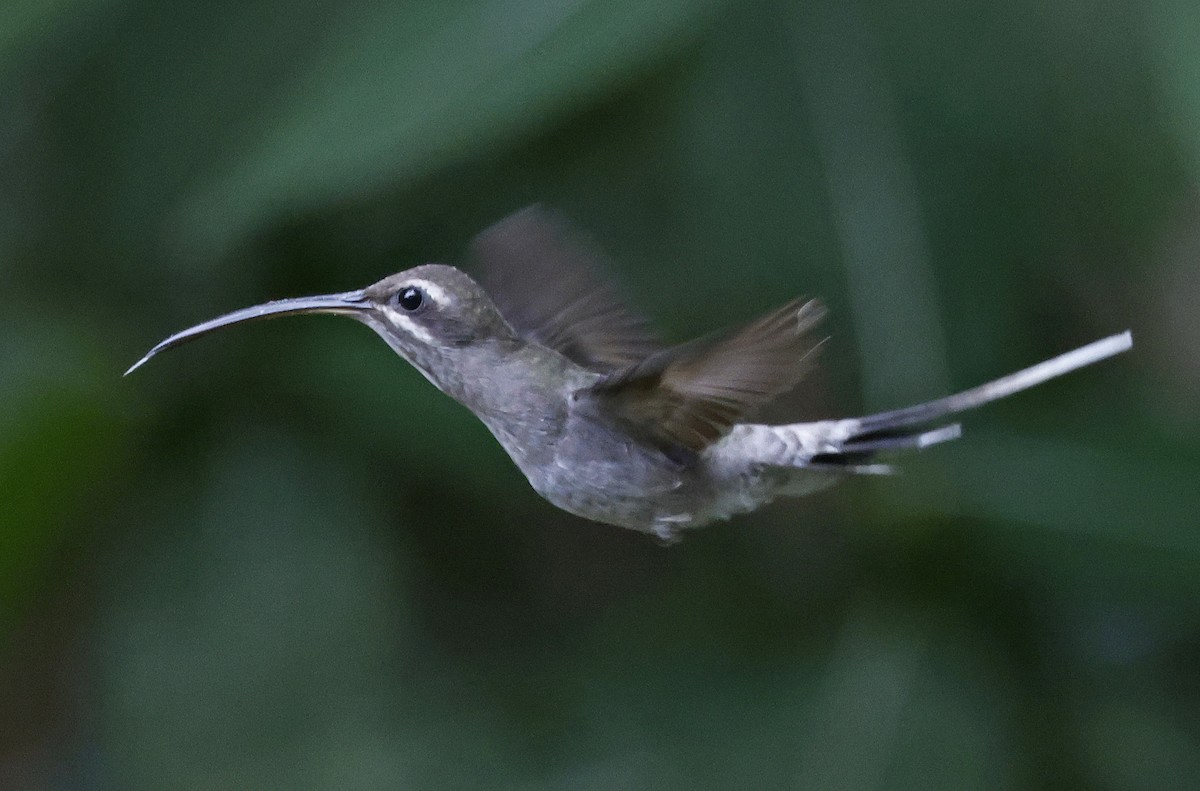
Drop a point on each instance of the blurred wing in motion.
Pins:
(548, 282)
(688, 396)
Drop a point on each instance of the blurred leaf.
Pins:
(264, 599)
(60, 439)
(1130, 746)
(398, 91)
(905, 705)
(1175, 26)
(26, 22)
(1099, 494)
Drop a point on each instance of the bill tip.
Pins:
(136, 365)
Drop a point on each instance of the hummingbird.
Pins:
(604, 420)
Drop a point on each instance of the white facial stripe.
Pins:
(435, 292)
(406, 323)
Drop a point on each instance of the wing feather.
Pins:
(688, 396)
(548, 281)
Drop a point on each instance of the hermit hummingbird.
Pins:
(604, 420)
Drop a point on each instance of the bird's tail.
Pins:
(852, 445)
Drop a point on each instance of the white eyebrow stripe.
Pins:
(406, 323)
(435, 292)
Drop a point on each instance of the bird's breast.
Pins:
(606, 476)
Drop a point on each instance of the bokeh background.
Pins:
(278, 558)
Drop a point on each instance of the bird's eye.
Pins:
(410, 298)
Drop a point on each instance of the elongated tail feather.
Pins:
(873, 443)
(1000, 388)
(851, 444)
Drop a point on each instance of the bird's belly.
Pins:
(602, 478)
(606, 477)
(619, 494)
(655, 499)
(613, 479)
(693, 502)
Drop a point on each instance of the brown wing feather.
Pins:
(547, 281)
(691, 395)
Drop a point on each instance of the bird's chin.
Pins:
(418, 354)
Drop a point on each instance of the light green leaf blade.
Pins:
(397, 92)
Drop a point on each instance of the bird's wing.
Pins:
(689, 396)
(547, 281)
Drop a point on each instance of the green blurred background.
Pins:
(278, 558)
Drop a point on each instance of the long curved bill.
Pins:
(350, 303)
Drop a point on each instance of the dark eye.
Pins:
(410, 298)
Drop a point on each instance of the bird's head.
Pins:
(432, 315)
